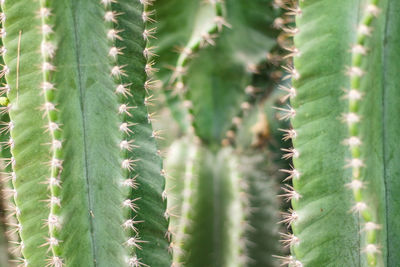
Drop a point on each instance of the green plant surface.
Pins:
(326, 217)
(74, 198)
(216, 72)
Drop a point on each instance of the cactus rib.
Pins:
(352, 119)
(54, 129)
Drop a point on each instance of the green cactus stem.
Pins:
(344, 71)
(88, 178)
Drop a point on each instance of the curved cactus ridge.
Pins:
(87, 176)
(214, 63)
(344, 77)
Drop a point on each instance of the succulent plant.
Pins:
(83, 175)
(342, 109)
(87, 180)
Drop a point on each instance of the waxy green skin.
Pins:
(91, 192)
(331, 235)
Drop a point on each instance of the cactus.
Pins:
(86, 175)
(213, 33)
(215, 213)
(83, 174)
(342, 107)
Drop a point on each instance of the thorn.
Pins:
(134, 242)
(354, 163)
(150, 85)
(117, 71)
(371, 226)
(107, 2)
(353, 94)
(53, 221)
(365, 30)
(4, 71)
(148, 52)
(289, 240)
(355, 71)
(46, 86)
(131, 182)
(130, 224)
(157, 134)
(44, 12)
(124, 127)
(4, 110)
(5, 89)
(127, 145)
(54, 261)
(359, 49)
(123, 89)
(359, 207)
(288, 134)
(111, 16)
(130, 203)
(290, 30)
(291, 153)
(124, 108)
(53, 201)
(207, 39)
(289, 217)
(146, 16)
(290, 261)
(134, 261)
(149, 68)
(372, 249)
(48, 49)
(352, 142)
(51, 242)
(293, 11)
(46, 29)
(221, 22)
(114, 34)
(374, 10)
(115, 51)
(289, 113)
(292, 73)
(47, 107)
(350, 118)
(290, 193)
(46, 66)
(148, 100)
(53, 182)
(128, 164)
(149, 33)
(7, 127)
(355, 185)
(291, 92)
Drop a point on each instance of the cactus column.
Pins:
(84, 157)
(347, 52)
